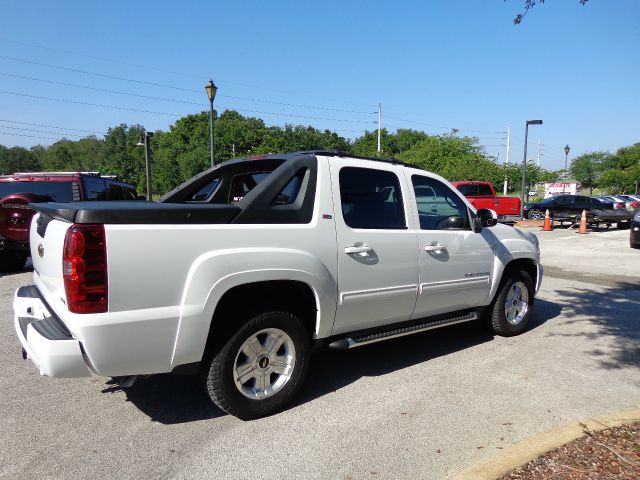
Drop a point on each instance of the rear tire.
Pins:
(261, 368)
(511, 310)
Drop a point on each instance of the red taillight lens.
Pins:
(84, 269)
(634, 205)
(620, 205)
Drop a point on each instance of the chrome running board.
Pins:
(345, 343)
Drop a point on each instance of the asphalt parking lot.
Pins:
(425, 406)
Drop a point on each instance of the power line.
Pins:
(30, 136)
(442, 126)
(104, 75)
(113, 107)
(164, 99)
(99, 89)
(141, 82)
(23, 129)
(49, 126)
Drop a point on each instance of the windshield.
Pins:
(52, 191)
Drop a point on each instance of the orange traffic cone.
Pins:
(583, 222)
(547, 227)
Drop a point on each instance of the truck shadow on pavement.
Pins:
(171, 399)
(615, 313)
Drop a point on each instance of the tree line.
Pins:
(184, 150)
(613, 173)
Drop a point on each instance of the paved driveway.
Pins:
(425, 406)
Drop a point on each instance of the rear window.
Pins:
(52, 191)
(467, 190)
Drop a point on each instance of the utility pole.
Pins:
(146, 141)
(538, 159)
(506, 160)
(379, 127)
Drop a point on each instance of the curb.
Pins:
(532, 447)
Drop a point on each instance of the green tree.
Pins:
(18, 159)
(588, 167)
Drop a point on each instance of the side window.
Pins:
(289, 194)
(94, 188)
(371, 199)
(205, 192)
(243, 184)
(439, 208)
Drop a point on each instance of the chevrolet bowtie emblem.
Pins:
(40, 250)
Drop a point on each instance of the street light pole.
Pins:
(566, 155)
(211, 90)
(146, 142)
(524, 163)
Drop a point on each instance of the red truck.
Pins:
(483, 195)
(18, 190)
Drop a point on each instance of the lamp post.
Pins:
(145, 142)
(524, 163)
(566, 155)
(211, 90)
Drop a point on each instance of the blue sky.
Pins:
(433, 64)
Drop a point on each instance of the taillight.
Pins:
(84, 269)
(634, 204)
(620, 205)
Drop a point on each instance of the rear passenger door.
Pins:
(377, 249)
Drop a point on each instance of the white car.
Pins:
(240, 272)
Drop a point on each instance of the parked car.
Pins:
(620, 201)
(634, 235)
(616, 203)
(631, 203)
(17, 191)
(483, 195)
(262, 260)
(570, 207)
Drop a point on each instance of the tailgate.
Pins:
(47, 240)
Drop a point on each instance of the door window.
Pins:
(371, 199)
(439, 208)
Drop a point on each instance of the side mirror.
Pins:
(487, 217)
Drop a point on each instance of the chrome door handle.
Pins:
(435, 248)
(355, 249)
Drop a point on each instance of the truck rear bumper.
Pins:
(45, 339)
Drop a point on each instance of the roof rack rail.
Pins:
(340, 153)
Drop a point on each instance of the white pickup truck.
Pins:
(241, 271)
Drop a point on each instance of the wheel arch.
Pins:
(525, 264)
(292, 296)
(251, 271)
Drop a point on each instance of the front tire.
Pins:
(512, 308)
(261, 368)
(535, 214)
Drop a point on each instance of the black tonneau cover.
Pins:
(138, 212)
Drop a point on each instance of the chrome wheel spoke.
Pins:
(280, 366)
(273, 343)
(262, 382)
(252, 348)
(245, 372)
